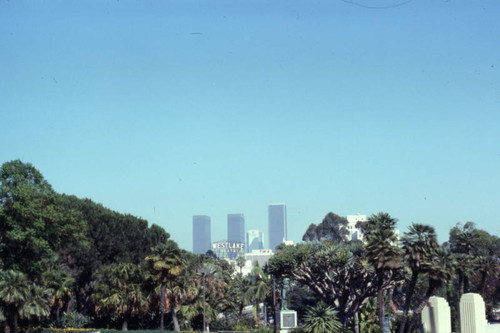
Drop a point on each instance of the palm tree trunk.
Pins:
(380, 304)
(421, 306)
(406, 308)
(356, 322)
(69, 304)
(177, 328)
(162, 304)
(125, 325)
(15, 322)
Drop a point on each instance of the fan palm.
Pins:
(36, 306)
(120, 291)
(419, 245)
(259, 289)
(14, 291)
(165, 263)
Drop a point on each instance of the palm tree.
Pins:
(61, 286)
(120, 291)
(259, 288)
(486, 267)
(419, 245)
(321, 319)
(382, 253)
(14, 291)
(440, 270)
(36, 306)
(165, 263)
(240, 262)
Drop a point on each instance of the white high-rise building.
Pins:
(255, 240)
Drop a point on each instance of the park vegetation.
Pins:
(70, 262)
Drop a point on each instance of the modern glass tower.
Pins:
(236, 228)
(202, 239)
(255, 240)
(277, 224)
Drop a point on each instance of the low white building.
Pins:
(354, 231)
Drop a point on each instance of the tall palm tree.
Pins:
(440, 270)
(259, 289)
(14, 291)
(383, 253)
(166, 264)
(419, 245)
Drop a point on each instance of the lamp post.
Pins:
(274, 304)
(203, 272)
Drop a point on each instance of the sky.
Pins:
(169, 109)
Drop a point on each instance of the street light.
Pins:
(203, 272)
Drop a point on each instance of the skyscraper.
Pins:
(255, 240)
(236, 228)
(277, 224)
(202, 239)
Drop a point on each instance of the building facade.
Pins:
(255, 240)
(236, 228)
(277, 232)
(353, 226)
(202, 239)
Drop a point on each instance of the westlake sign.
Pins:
(228, 248)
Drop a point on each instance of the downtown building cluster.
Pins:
(238, 241)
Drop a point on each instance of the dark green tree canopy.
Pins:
(333, 227)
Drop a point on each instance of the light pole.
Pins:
(202, 272)
(274, 304)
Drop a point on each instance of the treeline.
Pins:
(387, 279)
(70, 262)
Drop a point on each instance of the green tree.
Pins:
(260, 287)
(333, 227)
(14, 292)
(383, 253)
(240, 262)
(60, 286)
(36, 305)
(440, 270)
(165, 263)
(419, 246)
(33, 223)
(338, 273)
(120, 291)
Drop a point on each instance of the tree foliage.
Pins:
(333, 227)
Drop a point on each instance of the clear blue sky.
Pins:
(168, 109)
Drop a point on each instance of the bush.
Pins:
(75, 320)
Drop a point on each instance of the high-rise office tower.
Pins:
(277, 224)
(236, 228)
(202, 239)
(255, 240)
